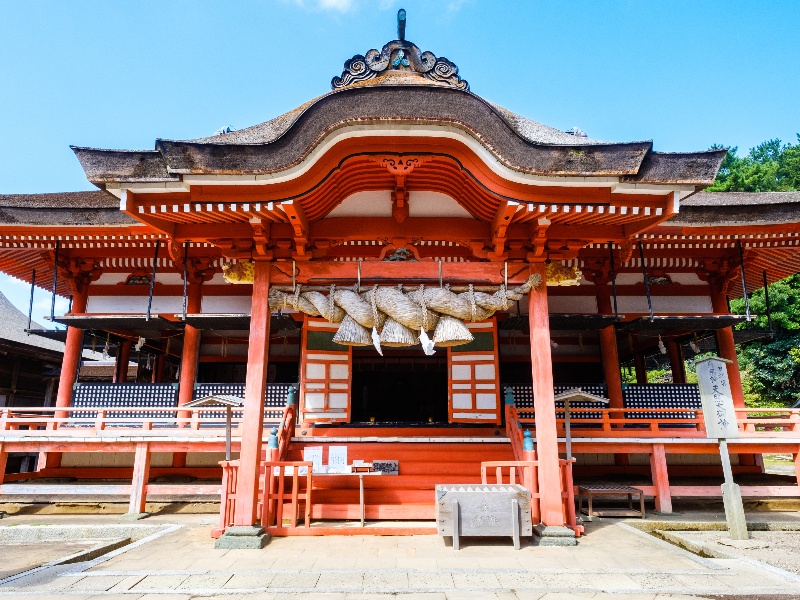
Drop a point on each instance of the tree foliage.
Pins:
(769, 167)
(771, 368)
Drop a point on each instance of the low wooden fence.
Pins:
(675, 422)
(77, 420)
(525, 462)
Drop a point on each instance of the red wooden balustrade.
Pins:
(525, 473)
(286, 430)
(284, 485)
(613, 422)
(72, 420)
(230, 472)
(514, 431)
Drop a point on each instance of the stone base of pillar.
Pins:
(549, 535)
(244, 537)
(134, 516)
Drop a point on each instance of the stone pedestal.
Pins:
(134, 516)
(550, 535)
(734, 511)
(250, 537)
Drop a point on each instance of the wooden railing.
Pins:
(286, 486)
(274, 489)
(286, 430)
(230, 473)
(771, 420)
(680, 422)
(71, 420)
(568, 495)
(525, 473)
(514, 431)
(615, 422)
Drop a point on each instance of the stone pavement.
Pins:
(613, 560)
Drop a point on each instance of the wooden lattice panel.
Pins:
(275, 396)
(474, 377)
(523, 398)
(326, 371)
(667, 395)
(126, 395)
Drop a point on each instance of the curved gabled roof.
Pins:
(519, 143)
(386, 93)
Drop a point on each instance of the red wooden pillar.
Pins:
(72, 353)
(255, 389)
(189, 361)
(658, 470)
(796, 459)
(73, 349)
(610, 355)
(123, 359)
(158, 368)
(676, 362)
(608, 349)
(141, 475)
(641, 368)
(3, 460)
(544, 404)
(191, 347)
(727, 347)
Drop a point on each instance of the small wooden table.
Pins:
(592, 491)
(360, 474)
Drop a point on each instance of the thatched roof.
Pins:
(281, 143)
(65, 208)
(738, 208)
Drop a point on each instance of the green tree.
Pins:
(769, 167)
(771, 368)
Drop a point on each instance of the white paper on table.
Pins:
(340, 469)
(337, 456)
(313, 454)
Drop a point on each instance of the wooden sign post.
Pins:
(721, 423)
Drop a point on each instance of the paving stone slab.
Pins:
(292, 581)
(341, 582)
(249, 581)
(159, 582)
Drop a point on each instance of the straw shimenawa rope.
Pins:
(396, 315)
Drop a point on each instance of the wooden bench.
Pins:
(592, 491)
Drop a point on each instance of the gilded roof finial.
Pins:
(401, 24)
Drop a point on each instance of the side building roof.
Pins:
(738, 208)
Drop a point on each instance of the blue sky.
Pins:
(683, 73)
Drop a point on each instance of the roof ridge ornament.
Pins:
(399, 55)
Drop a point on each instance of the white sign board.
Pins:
(337, 456)
(716, 397)
(313, 454)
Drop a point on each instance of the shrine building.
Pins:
(398, 273)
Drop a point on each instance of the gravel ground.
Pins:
(781, 548)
